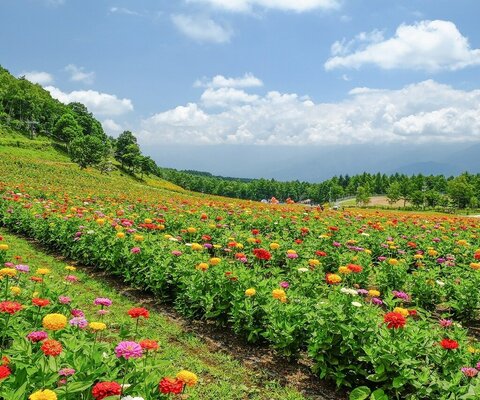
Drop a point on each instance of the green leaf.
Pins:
(360, 393)
(378, 394)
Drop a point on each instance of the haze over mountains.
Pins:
(316, 163)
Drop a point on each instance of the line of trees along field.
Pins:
(27, 107)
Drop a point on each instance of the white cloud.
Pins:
(201, 29)
(42, 78)
(111, 127)
(125, 11)
(424, 112)
(102, 104)
(77, 74)
(426, 45)
(225, 97)
(282, 5)
(219, 81)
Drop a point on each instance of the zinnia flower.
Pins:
(66, 372)
(394, 320)
(138, 312)
(262, 254)
(97, 326)
(355, 268)
(250, 292)
(51, 347)
(40, 302)
(10, 307)
(128, 350)
(37, 336)
(170, 385)
(469, 371)
(333, 279)
(149, 344)
(79, 322)
(54, 322)
(4, 372)
(46, 394)
(449, 344)
(279, 294)
(187, 377)
(106, 389)
(102, 301)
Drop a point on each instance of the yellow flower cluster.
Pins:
(97, 326)
(279, 294)
(54, 322)
(250, 292)
(10, 272)
(43, 395)
(215, 261)
(202, 267)
(187, 377)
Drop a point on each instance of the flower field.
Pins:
(381, 302)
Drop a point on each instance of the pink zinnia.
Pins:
(102, 301)
(64, 299)
(66, 372)
(470, 372)
(177, 253)
(37, 336)
(135, 250)
(77, 313)
(71, 278)
(128, 350)
(445, 323)
(284, 285)
(80, 322)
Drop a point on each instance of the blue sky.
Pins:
(257, 72)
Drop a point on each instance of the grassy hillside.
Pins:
(42, 163)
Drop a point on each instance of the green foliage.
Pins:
(88, 150)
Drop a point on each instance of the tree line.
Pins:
(27, 107)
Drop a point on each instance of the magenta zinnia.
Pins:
(128, 350)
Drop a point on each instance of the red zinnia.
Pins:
(170, 385)
(106, 389)
(138, 312)
(51, 347)
(10, 307)
(449, 344)
(394, 320)
(4, 372)
(149, 344)
(255, 231)
(36, 279)
(5, 360)
(40, 302)
(262, 254)
(355, 268)
(321, 253)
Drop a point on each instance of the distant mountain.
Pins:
(317, 163)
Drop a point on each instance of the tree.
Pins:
(460, 191)
(88, 150)
(417, 198)
(363, 195)
(405, 190)
(394, 192)
(66, 128)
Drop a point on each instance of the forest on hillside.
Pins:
(28, 108)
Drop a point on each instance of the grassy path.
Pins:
(221, 377)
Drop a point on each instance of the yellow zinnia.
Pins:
(10, 272)
(373, 293)
(46, 394)
(187, 377)
(4, 246)
(250, 292)
(215, 261)
(401, 310)
(274, 246)
(43, 271)
(97, 326)
(54, 322)
(202, 267)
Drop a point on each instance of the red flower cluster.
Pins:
(255, 231)
(149, 344)
(51, 347)
(4, 372)
(355, 268)
(138, 312)
(320, 253)
(449, 344)
(262, 254)
(394, 320)
(170, 385)
(40, 302)
(10, 307)
(106, 389)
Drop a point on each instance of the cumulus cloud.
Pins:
(426, 45)
(111, 127)
(219, 81)
(78, 74)
(100, 104)
(201, 29)
(419, 113)
(282, 5)
(42, 78)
